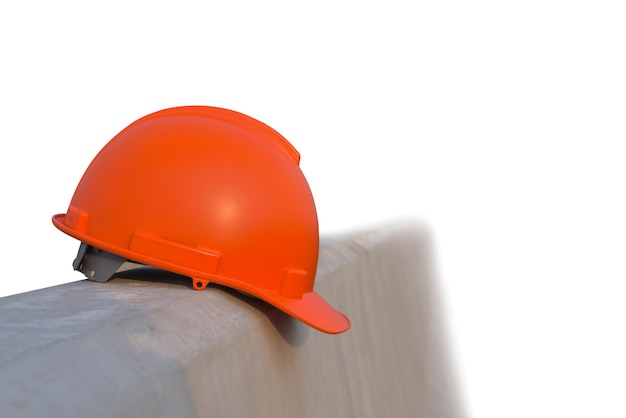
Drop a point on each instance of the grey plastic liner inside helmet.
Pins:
(99, 265)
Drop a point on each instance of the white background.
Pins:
(498, 124)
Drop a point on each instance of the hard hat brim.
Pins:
(311, 309)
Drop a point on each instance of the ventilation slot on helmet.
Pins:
(193, 258)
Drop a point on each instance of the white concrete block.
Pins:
(148, 345)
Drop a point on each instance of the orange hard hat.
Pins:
(208, 193)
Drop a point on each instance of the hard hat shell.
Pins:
(212, 194)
